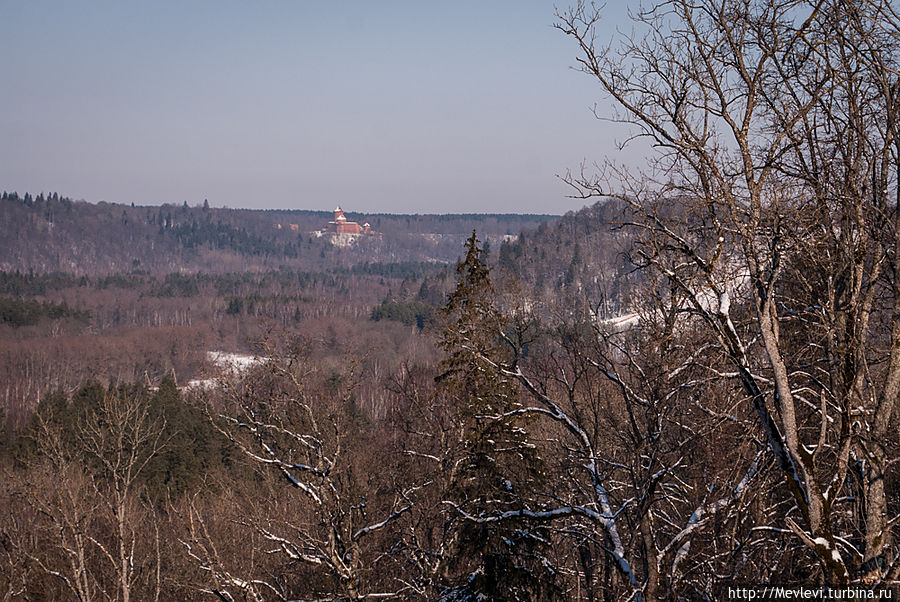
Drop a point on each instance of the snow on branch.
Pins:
(376, 526)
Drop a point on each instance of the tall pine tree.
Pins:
(499, 470)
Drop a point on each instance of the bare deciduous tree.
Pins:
(770, 206)
(86, 493)
(308, 433)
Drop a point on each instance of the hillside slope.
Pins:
(580, 260)
(52, 233)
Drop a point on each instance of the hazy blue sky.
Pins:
(412, 107)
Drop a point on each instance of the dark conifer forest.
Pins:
(687, 390)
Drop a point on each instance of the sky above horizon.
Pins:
(401, 107)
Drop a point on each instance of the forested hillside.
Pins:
(49, 233)
(581, 259)
(515, 430)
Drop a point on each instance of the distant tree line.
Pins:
(27, 312)
(54, 233)
(409, 313)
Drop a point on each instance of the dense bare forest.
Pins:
(53, 233)
(686, 389)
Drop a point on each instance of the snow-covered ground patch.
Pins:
(344, 240)
(225, 362)
(238, 362)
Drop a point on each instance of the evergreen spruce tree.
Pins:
(500, 559)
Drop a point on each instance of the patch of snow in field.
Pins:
(224, 361)
(233, 361)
